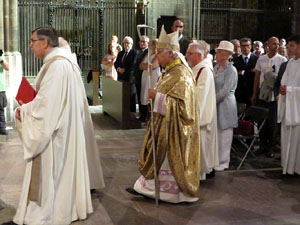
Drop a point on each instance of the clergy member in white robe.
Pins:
(206, 97)
(289, 111)
(94, 165)
(56, 186)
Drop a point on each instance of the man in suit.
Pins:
(245, 64)
(144, 42)
(183, 42)
(125, 67)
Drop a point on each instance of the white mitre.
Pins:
(168, 40)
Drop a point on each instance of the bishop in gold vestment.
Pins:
(176, 132)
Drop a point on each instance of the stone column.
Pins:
(9, 41)
(1, 26)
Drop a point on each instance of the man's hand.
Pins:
(121, 70)
(241, 72)
(18, 113)
(282, 90)
(151, 93)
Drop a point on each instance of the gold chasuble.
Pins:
(177, 133)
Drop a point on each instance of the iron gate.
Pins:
(86, 26)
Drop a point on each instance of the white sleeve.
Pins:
(159, 105)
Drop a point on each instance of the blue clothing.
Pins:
(225, 84)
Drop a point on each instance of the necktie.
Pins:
(246, 61)
(124, 56)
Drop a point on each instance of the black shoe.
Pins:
(211, 174)
(3, 132)
(132, 191)
(9, 223)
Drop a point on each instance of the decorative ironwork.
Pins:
(86, 25)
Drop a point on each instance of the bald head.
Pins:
(273, 44)
(177, 25)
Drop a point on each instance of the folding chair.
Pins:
(255, 115)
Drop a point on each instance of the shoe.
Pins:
(211, 174)
(219, 168)
(132, 191)
(9, 223)
(3, 132)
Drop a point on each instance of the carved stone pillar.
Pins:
(9, 42)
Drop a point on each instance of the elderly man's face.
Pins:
(178, 25)
(144, 43)
(38, 46)
(127, 45)
(192, 56)
(164, 57)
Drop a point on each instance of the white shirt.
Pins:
(265, 64)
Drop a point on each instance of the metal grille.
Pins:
(87, 27)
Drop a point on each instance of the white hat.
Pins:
(168, 40)
(227, 46)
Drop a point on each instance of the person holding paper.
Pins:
(57, 133)
(3, 101)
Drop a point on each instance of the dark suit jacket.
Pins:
(184, 44)
(128, 63)
(137, 71)
(244, 90)
(279, 77)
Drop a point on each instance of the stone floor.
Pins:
(254, 195)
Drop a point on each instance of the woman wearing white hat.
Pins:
(225, 83)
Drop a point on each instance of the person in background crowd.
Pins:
(114, 40)
(108, 61)
(258, 48)
(226, 79)
(155, 73)
(245, 64)
(183, 41)
(267, 68)
(124, 65)
(3, 101)
(206, 99)
(266, 48)
(282, 42)
(289, 111)
(144, 42)
(237, 48)
(290, 55)
(282, 50)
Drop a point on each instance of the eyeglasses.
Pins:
(179, 26)
(245, 45)
(190, 53)
(32, 40)
(143, 41)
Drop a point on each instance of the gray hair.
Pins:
(47, 33)
(174, 53)
(145, 37)
(259, 43)
(200, 47)
(129, 39)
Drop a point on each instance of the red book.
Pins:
(26, 93)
